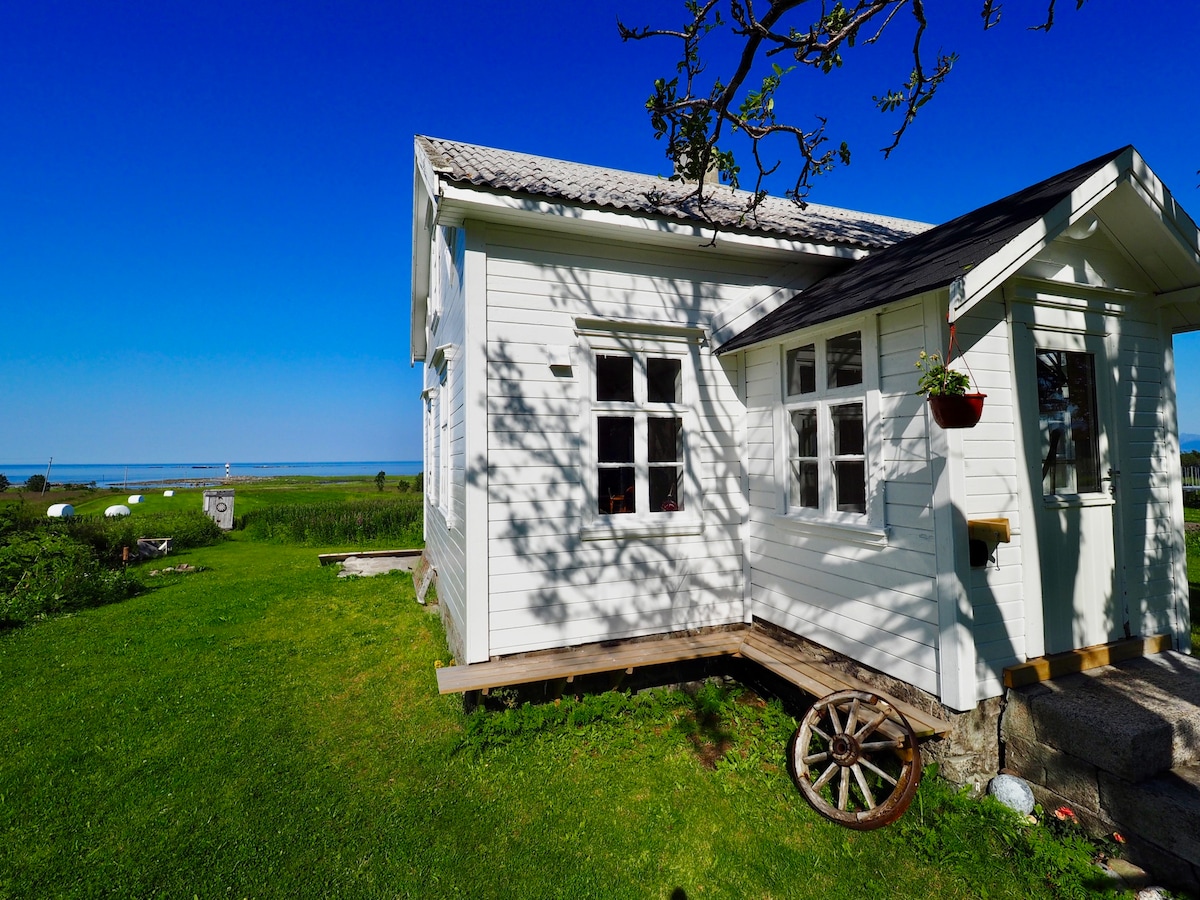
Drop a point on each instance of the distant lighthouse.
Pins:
(226, 470)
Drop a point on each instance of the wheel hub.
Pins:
(844, 750)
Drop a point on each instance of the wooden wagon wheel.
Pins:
(855, 759)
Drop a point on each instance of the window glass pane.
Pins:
(665, 495)
(805, 491)
(844, 356)
(847, 429)
(850, 482)
(614, 439)
(1067, 414)
(664, 380)
(802, 370)
(664, 439)
(616, 494)
(614, 378)
(804, 421)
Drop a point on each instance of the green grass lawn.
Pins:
(264, 729)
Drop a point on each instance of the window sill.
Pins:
(1075, 501)
(673, 527)
(867, 535)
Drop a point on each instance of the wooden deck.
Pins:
(749, 643)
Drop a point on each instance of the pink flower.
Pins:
(1063, 813)
(1118, 837)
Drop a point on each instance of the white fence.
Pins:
(1191, 476)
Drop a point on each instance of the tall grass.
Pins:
(398, 520)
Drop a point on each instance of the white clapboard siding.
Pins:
(445, 546)
(548, 586)
(874, 603)
(993, 489)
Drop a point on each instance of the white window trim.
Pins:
(640, 341)
(445, 365)
(432, 436)
(868, 528)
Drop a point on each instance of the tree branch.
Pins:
(694, 115)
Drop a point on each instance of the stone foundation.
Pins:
(1117, 771)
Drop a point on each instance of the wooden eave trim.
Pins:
(984, 278)
(458, 204)
(422, 245)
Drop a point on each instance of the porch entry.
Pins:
(1077, 515)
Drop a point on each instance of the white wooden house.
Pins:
(644, 418)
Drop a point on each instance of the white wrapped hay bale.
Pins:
(168, 493)
(61, 511)
(135, 498)
(119, 509)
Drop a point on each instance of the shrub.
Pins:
(108, 536)
(35, 483)
(3, 484)
(44, 572)
(380, 477)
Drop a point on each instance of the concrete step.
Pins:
(1161, 818)
(1136, 719)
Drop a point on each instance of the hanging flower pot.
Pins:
(957, 410)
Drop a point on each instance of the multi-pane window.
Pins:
(639, 413)
(824, 398)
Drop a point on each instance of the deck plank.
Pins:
(777, 656)
(773, 655)
(585, 661)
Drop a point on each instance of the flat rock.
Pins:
(376, 565)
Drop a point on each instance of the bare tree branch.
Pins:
(698, 117)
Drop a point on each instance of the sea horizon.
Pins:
(109, 474)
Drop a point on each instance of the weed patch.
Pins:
(359, 522)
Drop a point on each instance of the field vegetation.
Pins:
(257, 727)
(49, 566)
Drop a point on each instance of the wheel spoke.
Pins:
(878, 771)
(852, 721)
(875, 722)
(862, 786)
(815, 758)
(884, 745)
(844, 790)
(825, 776)
(833, 717)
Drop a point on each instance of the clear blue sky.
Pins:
(205, 207)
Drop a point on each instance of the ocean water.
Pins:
(198, 473)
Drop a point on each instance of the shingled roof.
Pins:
(521, 174)
(922, 263)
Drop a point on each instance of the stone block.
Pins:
(1017, 720)
(1025, 757)
(1164, 811)
(1087, 718)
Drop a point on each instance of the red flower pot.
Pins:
(957, 411)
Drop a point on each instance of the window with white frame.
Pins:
(826, 438)
(638, 468)
(432, 444)
(444, 441)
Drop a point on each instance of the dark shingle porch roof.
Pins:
(922, 263)
(522, 174)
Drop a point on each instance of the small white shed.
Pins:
(643, 418)
(218, 506)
